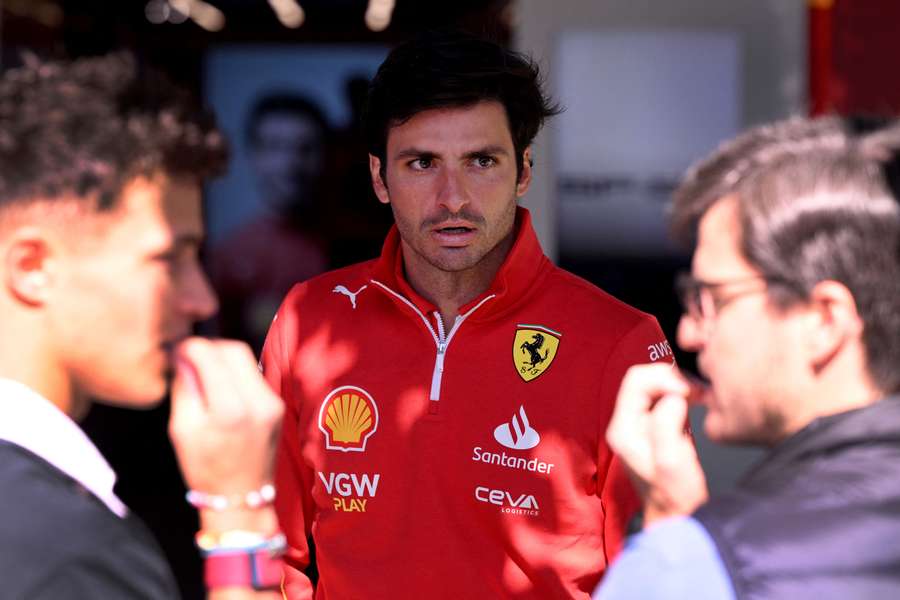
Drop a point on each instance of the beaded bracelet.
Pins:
(253, 499)
(237, 540)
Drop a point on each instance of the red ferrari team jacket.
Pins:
(452, 460)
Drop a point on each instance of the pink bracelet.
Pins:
(253, 499)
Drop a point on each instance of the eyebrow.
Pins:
(188, 239)
(487, 150)
(413, 152)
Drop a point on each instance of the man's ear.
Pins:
(525, 176)
(834, 321)
(28, 266)
(378, 183)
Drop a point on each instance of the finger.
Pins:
(641, 387)
(221, 399)
(667, 431)
(186, 397)
(678, 484)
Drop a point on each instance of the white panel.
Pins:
(641, 105)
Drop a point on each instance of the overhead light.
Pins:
(378, 14)
(157, 11)
(289, 12)
(207, 16)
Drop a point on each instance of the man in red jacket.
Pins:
(446, 402)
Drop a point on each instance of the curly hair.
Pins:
(87, 127)
(451, 69)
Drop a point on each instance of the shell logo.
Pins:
(348, 418)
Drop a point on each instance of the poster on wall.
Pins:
(296, 199)
(239, 78)
(640, 107)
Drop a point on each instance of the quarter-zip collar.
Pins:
(521, 269)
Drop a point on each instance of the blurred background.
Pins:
(648, 88)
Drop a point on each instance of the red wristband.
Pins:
(257, 569)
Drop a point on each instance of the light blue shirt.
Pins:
(675, 559)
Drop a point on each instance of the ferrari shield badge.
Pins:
(534, 349)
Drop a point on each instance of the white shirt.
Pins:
(29, 420)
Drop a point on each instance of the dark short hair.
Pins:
(817, 200)
(282, 102)
(87, 127)
(451, 69)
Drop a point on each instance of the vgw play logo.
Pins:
(353, 491)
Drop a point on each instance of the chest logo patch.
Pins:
(342, 289)
(348, 418)
(518, 434)
(534, 349)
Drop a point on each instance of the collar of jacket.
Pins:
(520, 272)
(876, 423)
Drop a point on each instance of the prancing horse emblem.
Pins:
(534, 349)
(340, 289)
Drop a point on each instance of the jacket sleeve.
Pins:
(293, 478)
(644, 343)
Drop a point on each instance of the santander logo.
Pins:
(518, 433)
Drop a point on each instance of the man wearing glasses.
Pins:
(793, 306)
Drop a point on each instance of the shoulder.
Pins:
(602, 321)
(350, 278)
(584, 296)
(60, 533)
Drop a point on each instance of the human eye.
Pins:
(421, 163)
(484, 161)
(175, 257)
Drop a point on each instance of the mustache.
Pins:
(446, 216)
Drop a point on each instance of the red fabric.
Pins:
(442, 522)
(853, 56)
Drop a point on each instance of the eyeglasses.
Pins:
(703, 300)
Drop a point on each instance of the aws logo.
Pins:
(523, 504)
(353, 491)
(348, 418)
(660, 350)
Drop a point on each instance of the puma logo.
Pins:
(339, 289)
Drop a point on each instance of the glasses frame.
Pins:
(698, 298)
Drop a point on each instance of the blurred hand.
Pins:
(225, 419)
(647, 431)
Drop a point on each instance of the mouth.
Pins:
(454, 234)
(170, 345)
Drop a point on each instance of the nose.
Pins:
(453, 194)
(690, 335)
(196, 298)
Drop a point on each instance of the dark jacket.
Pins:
(59, 541)
(819, 517)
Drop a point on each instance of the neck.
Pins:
(449, 290)
(25, 360)
(832, 393)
